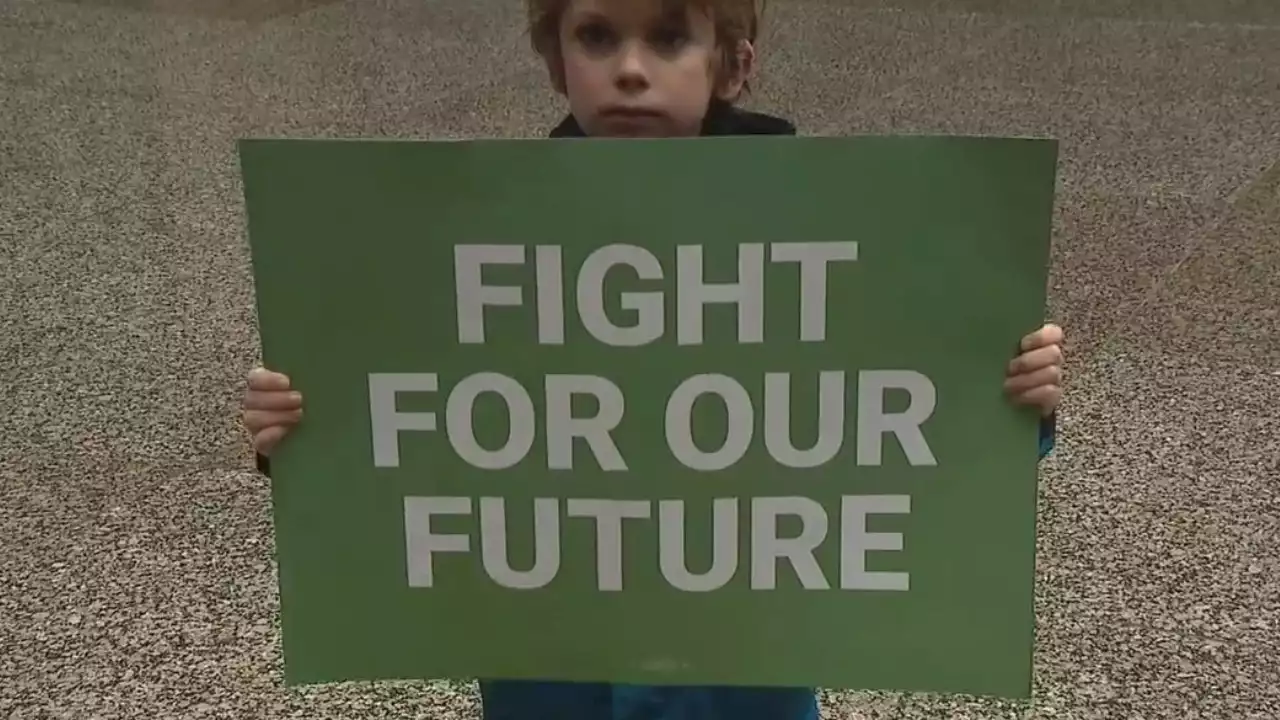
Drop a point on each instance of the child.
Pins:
(653, 68)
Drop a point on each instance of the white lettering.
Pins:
(767, 548)
(672, 555)
(422, 543)
(777, 420)
(766, 545)
(562, 427)
(813, 258)
(459, 415)
(546, 544)
(693, 293)
(873, 422)
(647, 306)
(739, 419)
(471, 292)
(550, 283)
(609, 515)
(855, 542)
(386, 422)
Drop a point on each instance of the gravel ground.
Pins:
(136, 574)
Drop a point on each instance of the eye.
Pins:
(596, 36)
(669, 38)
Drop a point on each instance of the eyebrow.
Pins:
(581, 16)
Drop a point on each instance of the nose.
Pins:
(631, 76)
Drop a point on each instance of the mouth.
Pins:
(622, 112)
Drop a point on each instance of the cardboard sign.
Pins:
(715, 411)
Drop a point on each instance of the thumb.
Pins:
(268, 438)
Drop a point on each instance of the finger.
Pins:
(276, 400)
(258, 420)
(1049, 376)
(1045, 397)
(1033, 360)
(1048, 335)
(264, 379)
(266, 440)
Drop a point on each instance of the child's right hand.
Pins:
(271, 409)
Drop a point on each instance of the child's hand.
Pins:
(271, 409)
(1035, 376)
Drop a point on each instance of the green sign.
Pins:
(719, 411)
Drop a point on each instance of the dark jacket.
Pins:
(722, 119)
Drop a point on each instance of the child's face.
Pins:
(634, 69)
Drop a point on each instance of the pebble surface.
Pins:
(136, 572)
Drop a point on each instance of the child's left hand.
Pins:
(1035, 376)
